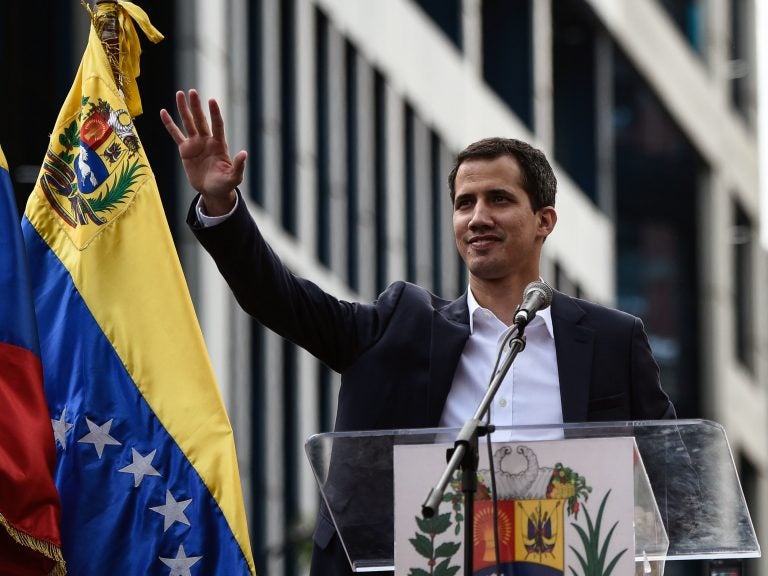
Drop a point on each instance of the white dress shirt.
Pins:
(530, 392)
(205, 220)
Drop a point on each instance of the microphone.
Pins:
(536, 296)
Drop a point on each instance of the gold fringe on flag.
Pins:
(47, 549)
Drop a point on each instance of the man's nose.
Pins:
(481, 216)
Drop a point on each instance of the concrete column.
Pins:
(269, 120)
(306, 90)
(543, 110)
(337, 111)
(366, 203)
(395, 186)
(422, 203)
(449, 257)
(605, 145)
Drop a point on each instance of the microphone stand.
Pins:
(465, 454)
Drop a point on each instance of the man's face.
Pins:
(497, 233)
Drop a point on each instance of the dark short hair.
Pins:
(538, 179)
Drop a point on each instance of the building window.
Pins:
(289, 441)
(741, 239)
(658, 174)
(256, 91)
(447, 15)
(380, 178)
(687, 15)
(288, 116)
(564, 283)
(575, 98)
(742, 58)
(410, 195)
(508, 53)
(437, 197)
(353, 200)
(323, 165)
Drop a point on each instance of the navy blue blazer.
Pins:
(397, 356)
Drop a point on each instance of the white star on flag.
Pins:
(60, 428)
(172, 511)
(140, 467)
(99, 436)
(181, 564)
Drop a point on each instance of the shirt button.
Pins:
(503, 403)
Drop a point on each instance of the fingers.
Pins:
(238, 164)
(201, 122)
(217, 120)
(196, 124)
(186, 116)
(171, 127)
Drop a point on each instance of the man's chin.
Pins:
(486, 271)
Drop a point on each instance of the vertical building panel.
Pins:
(336, 111)
(274, 462)
(270, 113)
(543, 115)
(396, 253)
(422, 204)
(289, 473)
(453, 284)
(307, 423)
(306, 109)
(366, 204)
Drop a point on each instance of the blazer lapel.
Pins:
(573, 344)
(450, 330)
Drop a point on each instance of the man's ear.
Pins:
(547, 220)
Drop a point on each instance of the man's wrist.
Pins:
(215, 206)
(205, 219)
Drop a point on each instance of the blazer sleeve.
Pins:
(649, 401)
(333, 330)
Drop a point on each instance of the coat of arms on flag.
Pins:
(90, 171)
(563, 507)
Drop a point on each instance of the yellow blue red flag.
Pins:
(146, 467)
(30, 543)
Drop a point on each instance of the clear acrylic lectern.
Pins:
(688, 500)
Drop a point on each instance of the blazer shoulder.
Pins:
(414, 295)
(588, 312)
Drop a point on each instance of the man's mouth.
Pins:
(482, 242)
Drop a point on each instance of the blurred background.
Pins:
(352, 112)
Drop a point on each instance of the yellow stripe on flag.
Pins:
(139, 296)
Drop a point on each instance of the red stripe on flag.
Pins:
(29, 502)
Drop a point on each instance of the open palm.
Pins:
(204, 152)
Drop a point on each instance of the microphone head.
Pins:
(536, 296)
(545, 293)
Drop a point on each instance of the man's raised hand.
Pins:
(204, 152)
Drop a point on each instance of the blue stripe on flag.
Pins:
(17, 320)
(86, 381)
